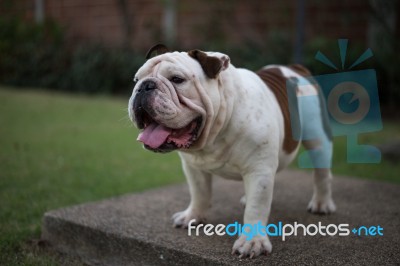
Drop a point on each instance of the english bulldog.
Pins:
(233, 123)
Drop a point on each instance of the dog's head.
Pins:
(176, 98)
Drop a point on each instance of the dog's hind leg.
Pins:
(317, 140)
(321, 201)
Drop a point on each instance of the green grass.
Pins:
(57, 150)
(383, 171)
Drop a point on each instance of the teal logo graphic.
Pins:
(352, 108)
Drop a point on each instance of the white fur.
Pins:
(243, 141)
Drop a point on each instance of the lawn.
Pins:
(57, 150)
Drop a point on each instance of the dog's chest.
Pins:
(221, 163)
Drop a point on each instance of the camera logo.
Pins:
(352, 105)
(358, 93)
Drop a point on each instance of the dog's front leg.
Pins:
(200, 197)
(258, 189)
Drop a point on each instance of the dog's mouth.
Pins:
(160, 138)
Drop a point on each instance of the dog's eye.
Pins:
(177, 80)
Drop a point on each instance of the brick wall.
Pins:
(199, 22)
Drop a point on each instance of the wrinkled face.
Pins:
(170, 103)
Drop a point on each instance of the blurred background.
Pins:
(66, 70)
(96, 46)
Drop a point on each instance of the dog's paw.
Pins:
(182, 219)
(258, 245)
(321, 206)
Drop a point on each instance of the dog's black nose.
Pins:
(147, 86)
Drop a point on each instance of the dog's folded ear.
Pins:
(158, 48)
(212, 64)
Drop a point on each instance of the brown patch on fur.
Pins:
(276, 82)
(301, 70)
(211, 65)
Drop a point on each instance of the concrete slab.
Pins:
(136, 229)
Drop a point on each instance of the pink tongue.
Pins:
(154, 135)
